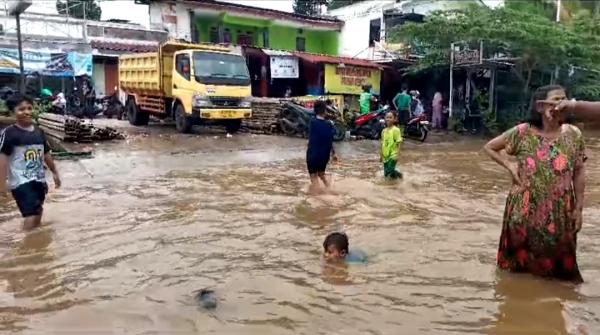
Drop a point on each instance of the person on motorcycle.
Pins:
(402, 103)
(46, 94)
(366, 97)
(59, 103)
(416, 106)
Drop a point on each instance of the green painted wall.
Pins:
(280, 37)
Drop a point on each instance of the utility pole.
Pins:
(451, 94)
(84, 22)
(15, 9)
(557, 69)
(20, 47)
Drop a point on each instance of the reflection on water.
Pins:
(336, 273)
(532, 304)
(126, 250)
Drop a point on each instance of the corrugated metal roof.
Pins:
(122, 46)
(271, 52)
(315, 58)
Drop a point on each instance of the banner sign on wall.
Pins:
(284, 67)
(350, 79)
(46, 63)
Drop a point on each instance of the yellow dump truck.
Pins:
(191, 83)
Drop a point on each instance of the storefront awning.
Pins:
(315, 58)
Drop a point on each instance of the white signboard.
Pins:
(284, 67)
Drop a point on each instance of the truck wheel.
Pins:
(233, 126)
(135, 116)
(183, 123)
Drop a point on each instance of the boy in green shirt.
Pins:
(391, 138)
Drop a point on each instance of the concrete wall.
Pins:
(354, 40)
(46, 26)
(280, 37)
(174, 18)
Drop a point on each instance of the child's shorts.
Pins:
(316, 164)
(30, 198)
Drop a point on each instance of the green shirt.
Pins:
(365, 102)
(390, 138)
(402, 101)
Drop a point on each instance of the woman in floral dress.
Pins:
(544, 206)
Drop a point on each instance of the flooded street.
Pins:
(136, 231)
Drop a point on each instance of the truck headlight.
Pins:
(201, 101)
(246, 103)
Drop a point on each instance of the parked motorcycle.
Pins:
(295, 121)
(370, 125)
(417, 128)
(111, 106)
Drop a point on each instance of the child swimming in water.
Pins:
(336, 248)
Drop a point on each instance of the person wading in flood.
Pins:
(544, 207)
(23, 152)
(320, 146)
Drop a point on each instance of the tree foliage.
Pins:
(309, 7)
(77, 8)
(536, 43)
(313, 7)
(333, 4)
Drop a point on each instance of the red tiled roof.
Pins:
(126, 47)
(269, 13)
(315, 58)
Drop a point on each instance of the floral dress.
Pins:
(538, 231)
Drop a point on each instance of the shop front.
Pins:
(43, 69)
(333, 77)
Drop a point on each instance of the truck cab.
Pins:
(211, 86)
(193, 84)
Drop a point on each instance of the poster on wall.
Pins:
(350, 79)
(284, 67)
(46, 63)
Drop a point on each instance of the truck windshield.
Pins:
(220, 69)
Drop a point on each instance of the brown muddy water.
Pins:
(138, 229)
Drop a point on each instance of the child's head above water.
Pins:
(335, 246)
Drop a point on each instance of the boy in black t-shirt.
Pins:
(23, 153)
(320, 145)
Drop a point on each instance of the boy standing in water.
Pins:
(23, 153)
(320, 146)
(391, 138)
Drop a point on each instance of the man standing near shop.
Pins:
(402, 103)
(365, 100)
(23, 153)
